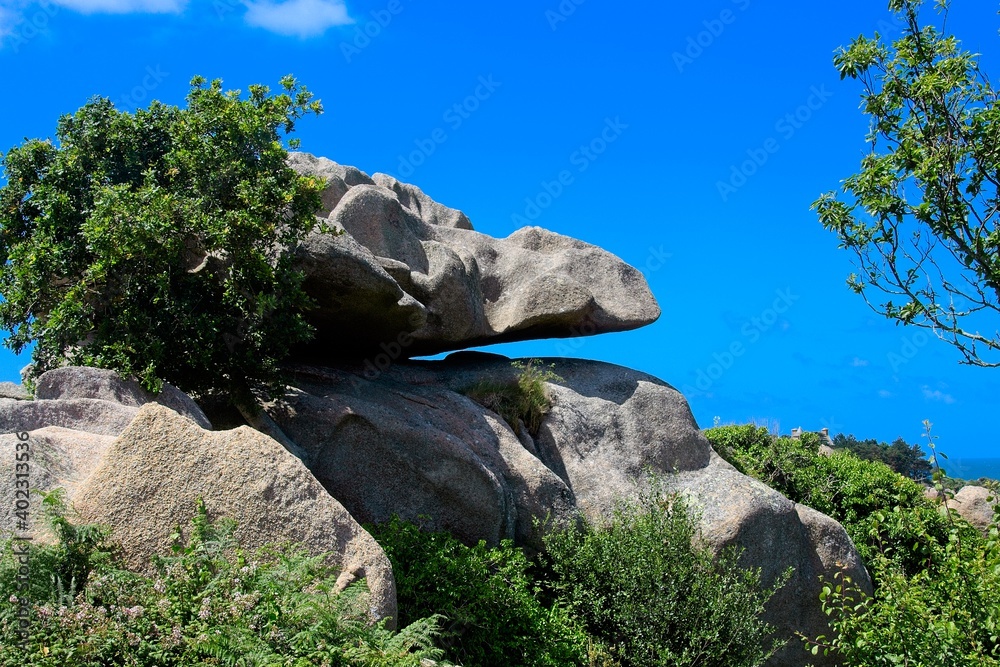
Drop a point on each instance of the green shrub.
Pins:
(946, 614)
(786, 465)
(488, 597)
(209, 603)
(647, 589)
(937, 580)
(845, 488)
(524, 400)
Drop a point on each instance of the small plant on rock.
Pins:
(524, 400)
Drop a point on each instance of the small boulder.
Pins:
(12, 390)
(975, 505)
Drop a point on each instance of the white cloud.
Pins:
(884, 393)
(937, 395)
(20, 20)
(8, 18)
(299, 18)
(123, 6)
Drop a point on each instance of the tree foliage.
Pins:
(921, 215)
(155, 244)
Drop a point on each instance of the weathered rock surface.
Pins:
(139, 462)
(12, 390)
(975, 505)
(152, 475)
(92, 400)
(57, 458)
(78, 414)
(407, 441)
(419, 450)
(774, 534)
(71, 423)
(454, 287)
(76, 382)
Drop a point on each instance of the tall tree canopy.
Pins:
(921, 215)
(156, 244)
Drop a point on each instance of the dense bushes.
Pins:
(908, 460)
(490, 602)
(209, 603)
(937, 579)
(646, 587)
(639, 591)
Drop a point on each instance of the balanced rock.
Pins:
(456, 288)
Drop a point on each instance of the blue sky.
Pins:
(648, 106)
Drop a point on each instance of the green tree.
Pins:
(156, 244)
(921, 215)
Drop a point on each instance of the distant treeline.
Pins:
(908, 460)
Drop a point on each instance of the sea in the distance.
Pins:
(964, 468)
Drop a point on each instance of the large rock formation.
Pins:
(152, 476)
(409, 442)
(138, 463)
(72, 421)
(409, 276)
(378, 436)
